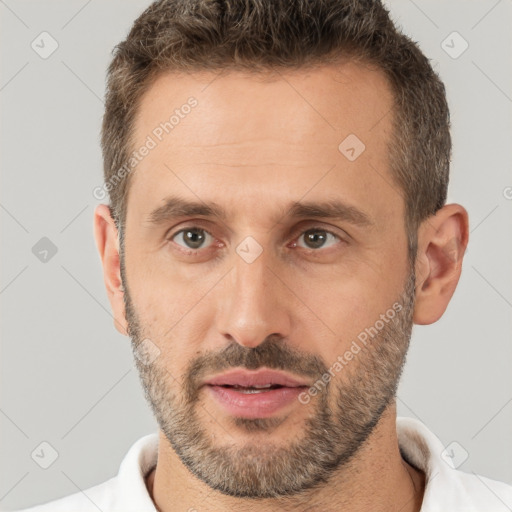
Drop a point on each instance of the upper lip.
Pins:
(247, 378)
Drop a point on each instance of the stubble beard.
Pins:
(331, 436)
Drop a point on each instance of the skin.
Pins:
(253, 145)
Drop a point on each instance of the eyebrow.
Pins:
(175, 207)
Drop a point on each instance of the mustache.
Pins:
(273, 353)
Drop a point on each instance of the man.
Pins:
(277, 223)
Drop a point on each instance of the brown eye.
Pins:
(317, 238)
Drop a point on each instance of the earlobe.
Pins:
(107, 242)
(442, 242)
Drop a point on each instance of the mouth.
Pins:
(256, 394)
(256, 379)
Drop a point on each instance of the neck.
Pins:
(377, 479)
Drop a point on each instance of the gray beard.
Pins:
(331, 436)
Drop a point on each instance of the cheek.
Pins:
(176, 318)
(162, 297)
(350, 294)
(348, 300)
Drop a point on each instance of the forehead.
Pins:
(221, 135)
(307, 103)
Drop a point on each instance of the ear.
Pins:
(442, 242)
(107, 242)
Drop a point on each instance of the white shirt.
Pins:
(446, 489)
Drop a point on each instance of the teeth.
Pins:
(255, 387)
(248, 391)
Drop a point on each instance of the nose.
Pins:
(253, 304)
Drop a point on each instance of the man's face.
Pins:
(263, 287)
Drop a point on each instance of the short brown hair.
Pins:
(259, 35)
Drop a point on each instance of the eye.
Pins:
(192, 238)
(316, 238)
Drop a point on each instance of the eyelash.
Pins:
(194, 252)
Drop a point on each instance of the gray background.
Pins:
(67, 375)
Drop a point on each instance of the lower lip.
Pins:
(254, 405)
